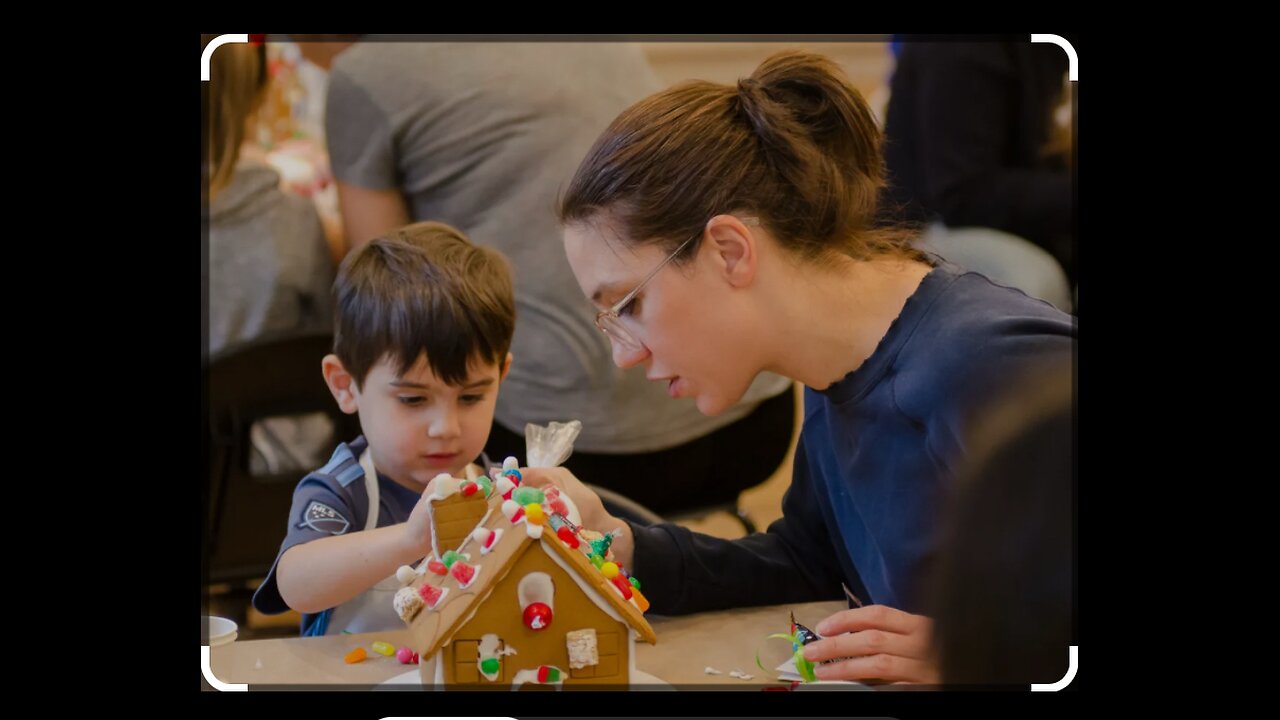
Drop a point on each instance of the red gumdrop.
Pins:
(462, 572)
(437, 567)
(537, 616)
(623, 585)
(430, 594)
(565, 534)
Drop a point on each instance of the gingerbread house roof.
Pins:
(434, 626)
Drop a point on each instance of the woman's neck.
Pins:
(830, 317)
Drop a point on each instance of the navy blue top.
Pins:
(876, 452)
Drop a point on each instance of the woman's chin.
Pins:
(710, 405)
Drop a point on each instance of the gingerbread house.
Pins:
(517, 592)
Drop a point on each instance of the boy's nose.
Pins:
(445, 423)
(625, 357)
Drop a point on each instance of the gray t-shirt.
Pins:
(484, 136)
(269, 264)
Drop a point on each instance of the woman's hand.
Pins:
(881, 643)
(589, 506)
(594, 516)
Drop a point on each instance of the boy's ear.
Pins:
(506, 367)
(340, 383)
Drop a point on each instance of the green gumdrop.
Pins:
(528, 496)
(597, 560)
(485, 484)
(450, 557)
(635, 583)
(553, 675)
(489, 666)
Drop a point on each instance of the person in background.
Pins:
(269, 263)
(975, 144)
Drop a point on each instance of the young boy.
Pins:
(423, 328)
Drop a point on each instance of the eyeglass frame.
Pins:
(612, 315)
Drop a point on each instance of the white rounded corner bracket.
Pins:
(1073, 63)
(1072, 667)
(213, 679)
(224, 39)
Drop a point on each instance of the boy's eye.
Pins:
(412, 399)
(471, 399)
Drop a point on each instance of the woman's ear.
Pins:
(340, 383)
(734, 248)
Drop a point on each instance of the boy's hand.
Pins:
(418, 527)
(881, 643)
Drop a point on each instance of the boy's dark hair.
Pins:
(423, 288)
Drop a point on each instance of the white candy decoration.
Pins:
(503, 486)
(510, 463)
(405, 574)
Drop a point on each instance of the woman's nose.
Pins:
(625, 357)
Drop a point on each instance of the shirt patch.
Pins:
(322, 518)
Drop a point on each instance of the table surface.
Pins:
(725, 640)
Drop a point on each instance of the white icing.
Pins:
(536, 587)
(711, 671)
(534, 531)
(531, 676)
(445, 485)
(510, 463)
(488, 649)
(509, 508)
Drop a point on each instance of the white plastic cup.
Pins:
(221, 630)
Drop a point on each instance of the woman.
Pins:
(727, 231)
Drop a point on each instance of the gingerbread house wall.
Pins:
(453, 519)
(501, 614)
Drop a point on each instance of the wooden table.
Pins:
(725, 640)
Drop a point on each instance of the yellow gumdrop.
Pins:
(610, 570)
(533, 512)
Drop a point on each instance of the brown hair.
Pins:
(424, 288)
(795, 144)
(237, 87)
